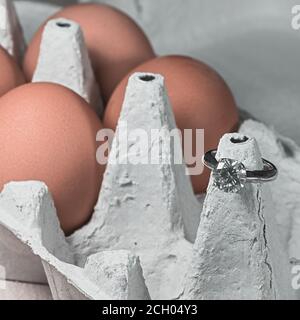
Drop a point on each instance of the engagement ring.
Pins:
(231, 175)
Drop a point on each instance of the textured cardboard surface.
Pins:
(71, 67)
(25, 291)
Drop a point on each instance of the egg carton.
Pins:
(149, 236)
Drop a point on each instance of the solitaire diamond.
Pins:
(230, 175)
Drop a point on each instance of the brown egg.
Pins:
(48, 133)
(10, 74)
(115, 43)
(200, 99)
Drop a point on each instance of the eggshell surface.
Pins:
(10, 74)
(48, 133)
(199, 97)
(115, 42)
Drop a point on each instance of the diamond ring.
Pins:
(231, 175)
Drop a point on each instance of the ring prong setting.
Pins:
(230, 175)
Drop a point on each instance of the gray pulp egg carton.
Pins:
(149, 236)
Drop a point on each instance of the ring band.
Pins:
(231, 175)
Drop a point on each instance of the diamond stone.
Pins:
(230, 175)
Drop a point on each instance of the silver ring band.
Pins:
(231, 175)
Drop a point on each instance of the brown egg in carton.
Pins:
(145, 239)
